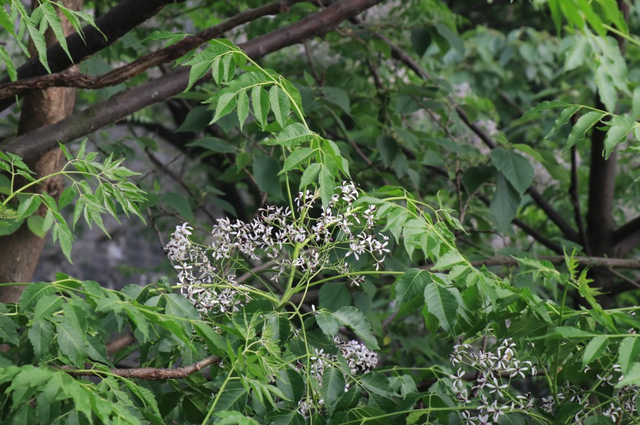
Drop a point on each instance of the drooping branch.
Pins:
(553, 215)
(118, 21)
(148, 373)
(126, 72)
(125, 103)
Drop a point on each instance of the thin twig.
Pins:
(574, 191)
(147, 373)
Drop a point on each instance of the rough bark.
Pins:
(20, 251)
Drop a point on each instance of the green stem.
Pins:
(215, 401)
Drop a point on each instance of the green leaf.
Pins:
(197, 71)
(260, 103)
(4, 55)
(28, 207)
(332, 386)
(197, 119)
(443, 304)
(504, 204)
(327, 323)
(310, 175)
(629, 353)
(71, 343)
(448, 260)
(46, 306)
(376, 383)
(535, 112)
(214, 145)
(621, 126)
(215, 343)
(291, 384)
(632, 377)
(334, 295)
(327, 185)
(410, 284)
(280, 105)
(54, 22)
(39, 42)
(36, 225)
(226, 104)
(292, 136)
(296, 159)
(40, 335)
(515, 168)
(562, 119)
(355, 320)
(180, 204)
(33, 292)
(594, 350)
(265, 172)
(338, 97)
(243, 107)
(388, 148)
(452, 38)
(420, 40)
(8, 330)
(584, 124)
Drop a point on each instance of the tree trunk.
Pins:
(20, 251)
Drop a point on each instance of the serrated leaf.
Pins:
(329, 324)
(46, 306)
(443, 304)
(213, 144)
(280, 105)
(326, 185)
(504, 204)
(410, 284)
(515, 168)
(542, 107)
(40, 335)
(243, 107)
(32, 293)
(56, 25)
(28, 207)
(292, 136)
(621, 126)
(448, 260)
(332, 386)
(260, 103)
(629, 353)
(584, 124)
(355, 320)
(594, 350)
(265, 171)
(8, 330)
(226, 104)
(296, 159)
(310, 175)
(72, 343)
(562, 119)
(632, 377)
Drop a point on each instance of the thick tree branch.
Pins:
(148, 373)
(125, 103)
(118, 21)
(126, 72)
(553, 215)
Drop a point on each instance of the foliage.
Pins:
(348, 290)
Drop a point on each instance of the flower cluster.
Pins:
(492, 378)
(304, 241)
(357, 356)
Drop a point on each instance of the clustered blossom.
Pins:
(494, 371)
(492, 380)
(359, 358)
(340, 227)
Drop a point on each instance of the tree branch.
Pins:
(553, 215)
(130, 70)
(118, 21)
(626, 238)
(126, 102)
(147, 373)
(609, 263)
